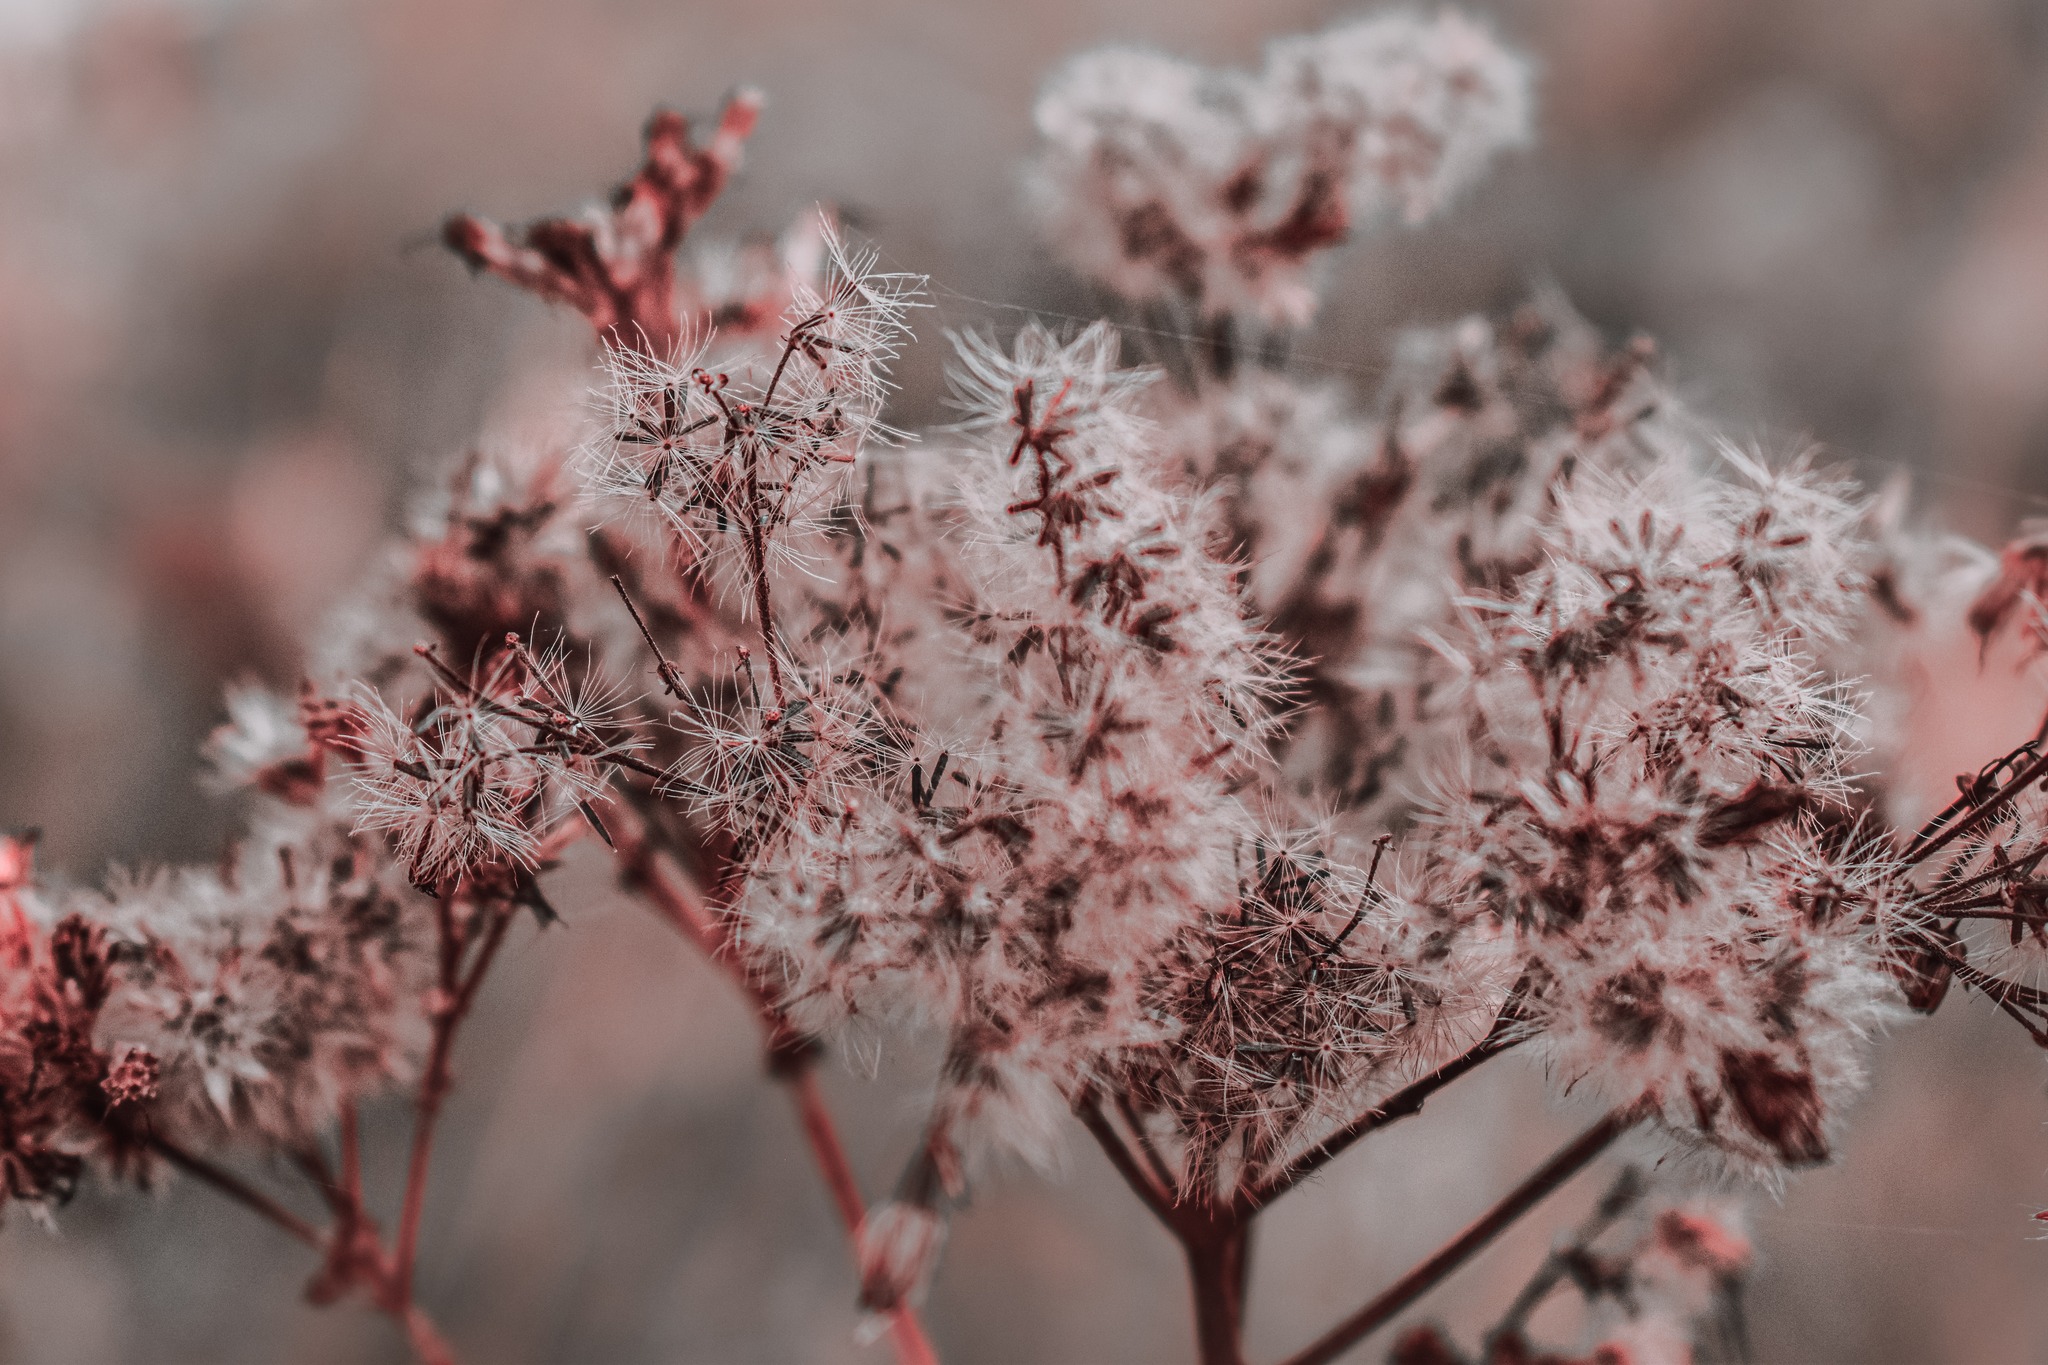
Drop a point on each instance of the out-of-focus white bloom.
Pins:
(1165, 180)
(1417, 107)
(262, 745)
(269, 993)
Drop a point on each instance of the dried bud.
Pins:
(1427, 1344)
(17, 859)
(1781, 1107)
(132, 1080)
(1748, 816)
(1703, 1242)
(78, 957)
(2022, 580)
(899, 1246)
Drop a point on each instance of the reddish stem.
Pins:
(351, 1154)
(457, 993)
(425, 1338)
(1155, 1164)
(235, 1188)
(826, 1149)
(1215, 1239)
(1542, 1182)
(790, 1061)
(1159, 1199)
(422, 1335)
(1216, 1266)
(800, 1077)
(1401, 1104)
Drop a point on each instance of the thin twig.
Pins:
(458, 991)
(675, 895)
(1158, 1200)
(1546, 1179)
(1622, 1195)
(425, 1338)
(671, 678)
(823, 1136)
(801, 1080)
(351, 1153)
(421, 1334)
(1920, 850)
(1147, 1149)
(236, 1188)
(1401, 1104)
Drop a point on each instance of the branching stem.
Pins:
(1401, 1104)
(791, 1059)
(237, 1189)
(454, 997)
(1542, 1182)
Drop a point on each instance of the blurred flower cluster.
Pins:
(1192, 748)
(1167, 180)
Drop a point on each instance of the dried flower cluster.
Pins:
(1192, 751)
(1166, 180)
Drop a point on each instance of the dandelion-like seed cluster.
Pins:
(1196, 748)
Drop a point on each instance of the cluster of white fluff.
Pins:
(1012, 885)
(1571, 655)
(242, 1003)
(1167, 180)
(488, 766)
(268, 991)
(1652, 768)
(724, 444)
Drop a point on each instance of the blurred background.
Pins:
(229, 349)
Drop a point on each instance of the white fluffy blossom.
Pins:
(1166, 180)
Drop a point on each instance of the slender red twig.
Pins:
(425, 1338)
(351, 1154)
(905, 1331)
(1154, 1163)
(1156, 1198)
(457, 993)
(791, 1063)
(1542, 1182)
(428, 1345)
(1401, 1104)
(1921, 849)
(671, 677)
(823, 1137)
(236, 1188)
